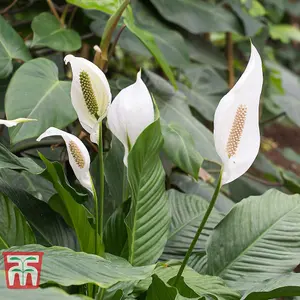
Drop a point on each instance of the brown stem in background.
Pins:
(64, 14)
(113, 46)
(54, 11)
(230, 58)
(72, 16)
(6, 9)
(206, 36)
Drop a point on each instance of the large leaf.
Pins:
(180, 148)
(148, 219)
(10, 161)
(187, 213)
(74, 214)
(148, 40)
(202, 189)
(197, 16)
(47, 31)
(11, 47)
(49, 227)
(211, 287)
(14, 230)
(255, 233)
(284, 285)
(35, 185)
(44, 97)
(36, 294)
(107, 6)
(174, 109)
(66, 267)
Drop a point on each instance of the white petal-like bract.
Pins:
(15, 122)
(130, 113)
(236, 121)
(90, 92)
(79, 157)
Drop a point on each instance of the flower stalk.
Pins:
(100, 210)
(201, 227)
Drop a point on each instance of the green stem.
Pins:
(202, 224)
(96, 216)
(101, 170)
(125, 185)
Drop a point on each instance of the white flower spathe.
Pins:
(15, 122)
(90, 93)
(130, 113)
(236, 121)
(79, 157)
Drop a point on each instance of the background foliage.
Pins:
(191, 53)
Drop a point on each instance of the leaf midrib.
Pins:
(259, 237)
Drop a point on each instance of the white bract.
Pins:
(236, 122)
(130, 113)
(90, 93)
(79, 157)
(11, 123)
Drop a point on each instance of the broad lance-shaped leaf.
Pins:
(49, 228)
(197, 16)
(180, 148)
(285, 285)
(66, 267)
(47, 31)
(37, 294)
(210, 287)
(10, 161)
(74, 214)
(187, 212)
(255, 233)
(14, 230)
(11, 47)
(44, 97)
(148, 219)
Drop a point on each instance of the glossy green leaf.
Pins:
(187, 212)
(74, 214)
(197, 16)
(211, 287)
(48, 226)
(174, 108)
(44, 97)
(14, 230)
(148, 40)
(10, 161)
(66, 267)
(180, 148)
(36, 294)
(11, 47)
(148, 219)
(285, 285)
(236, 253)
(47, 31)
(284, 32)
(107, 6)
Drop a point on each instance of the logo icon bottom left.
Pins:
(23, 269)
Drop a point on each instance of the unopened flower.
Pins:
(236, 122)
(130, 113)
(11, 123)
(79, 157)
(90, 93)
